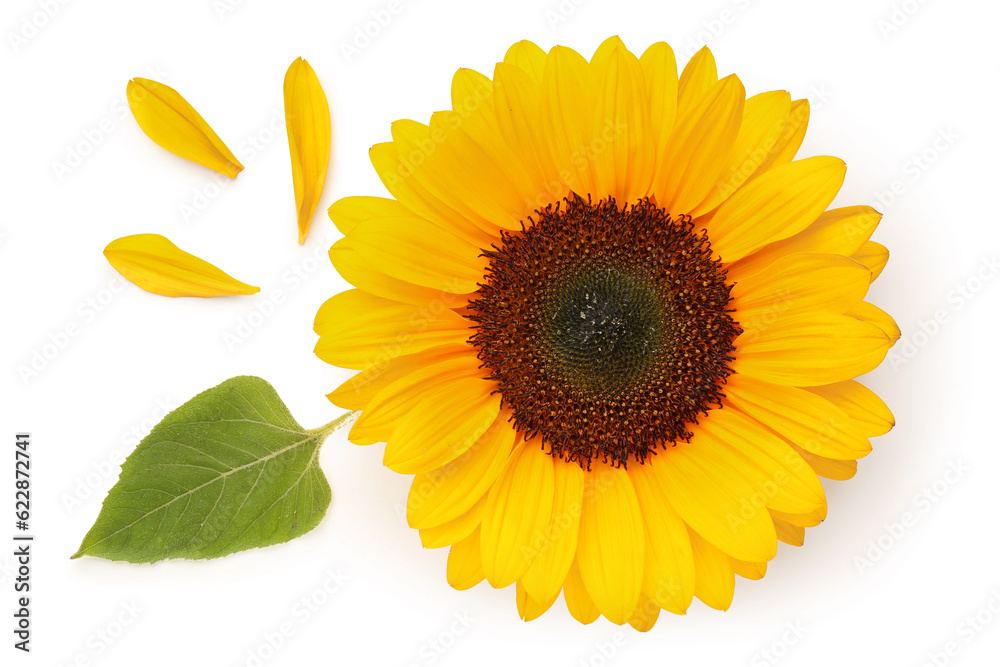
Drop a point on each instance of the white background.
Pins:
(905, 92)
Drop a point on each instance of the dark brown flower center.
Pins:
(606, 330)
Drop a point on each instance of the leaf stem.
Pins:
(337, 423)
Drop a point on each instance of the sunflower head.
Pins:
(609, 323)
(606, 330)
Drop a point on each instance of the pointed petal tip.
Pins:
(307, 122)
(172, 123)
(153, 263)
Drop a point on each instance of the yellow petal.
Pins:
(863, 405)
(397, 174)
(436, 159)
(763, 116)
(805, 520)
(400, 246)
(472, 98)
(775, 205)
(569, 91)
(442, 426)
(781, 479)
(713, 498)
(156, 265)
(829, 468)
(348, 212)
(820, 349)
(867, 312)
(357, 392)
(358, 330)
(799, 284)
(454, 531)
(873, 255)
(612, 547)
(805, 419)
(668, 574)
(518, 510)
(699, 146)
(698, 77)
(557, 547)
(517, 105)
(789, 140)
(400, 397)
(363, 274)
(307, 120)
(839, 231)
(714, 580)
(170, 121)
(495, 189)
(578, 601)
(748, 569)
(465, 565)
(644, 616)
(446, 492)
(659, 67)
(789, 533)
(528, 56)
(622, 154)
(527, 607)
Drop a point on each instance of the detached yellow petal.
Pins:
(307, 118)
(156, 265)
(170, 121)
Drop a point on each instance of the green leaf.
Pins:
(229, 470)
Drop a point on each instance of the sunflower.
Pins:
(609, 324)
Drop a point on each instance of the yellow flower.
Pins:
(610, 325)
(170, 121)
(307, 119)
(156, 265)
